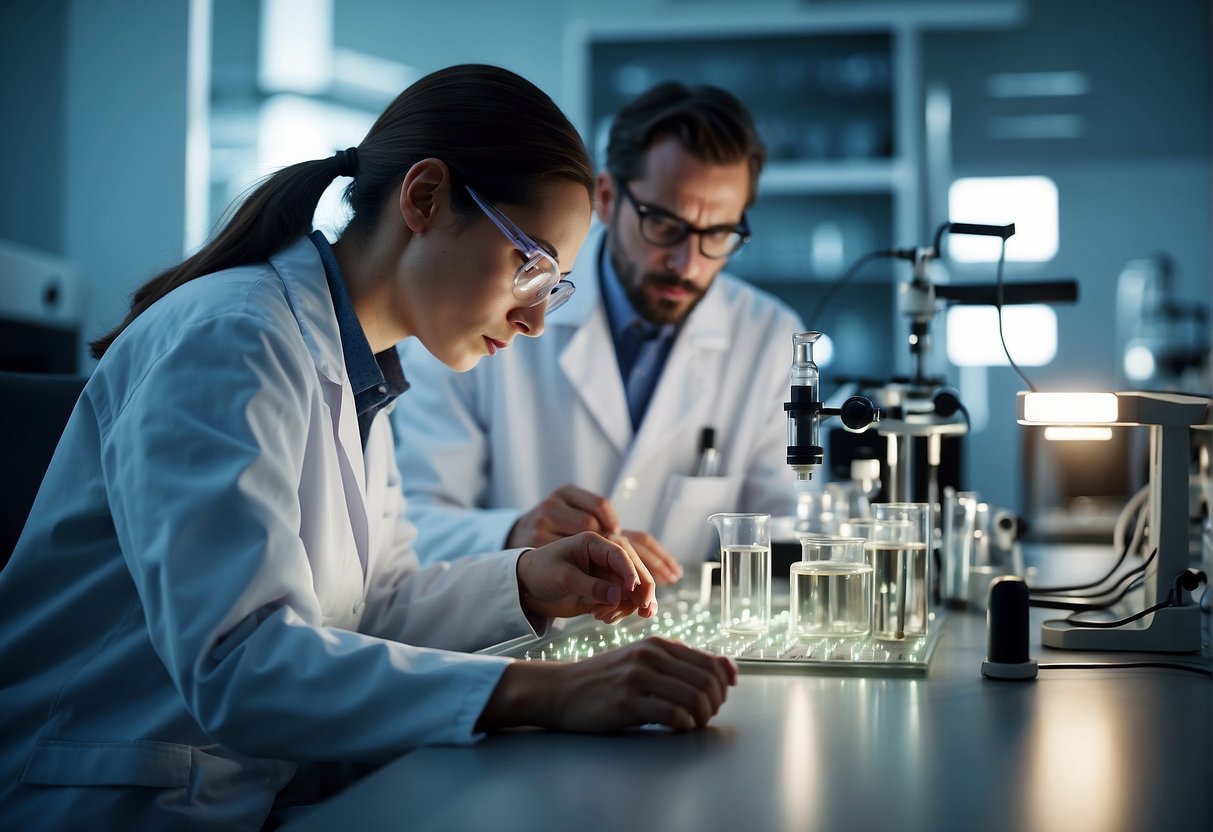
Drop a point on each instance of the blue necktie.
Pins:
(643, 347)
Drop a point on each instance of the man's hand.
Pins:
(585, 574)
(571, 510)
(567, 511)
(664, 567)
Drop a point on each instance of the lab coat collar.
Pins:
(589, 363)
(302, 272)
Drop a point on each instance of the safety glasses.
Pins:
(662, 228)
(538, 279)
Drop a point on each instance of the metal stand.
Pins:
(1174, 629)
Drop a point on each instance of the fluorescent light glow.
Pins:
(1055, 433)
(370, 75)
(294, 129)
(1054, 126)
(296, 45)
(1028, 201)
(1030, 330)
(823, 351)
(1139, 363)
(1037, 84)
(1070, 408)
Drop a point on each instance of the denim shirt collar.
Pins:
(376, 378)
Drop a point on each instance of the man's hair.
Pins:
(710, 123)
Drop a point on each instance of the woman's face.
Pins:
(461, 275)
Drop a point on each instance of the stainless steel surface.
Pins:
(1128, 749)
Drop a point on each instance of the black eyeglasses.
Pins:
(662, 228)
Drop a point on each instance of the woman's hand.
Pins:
(654, 681)
(585, 574)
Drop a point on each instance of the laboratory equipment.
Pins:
(814, 510)
(1171, 621)
(773, 651)
(847, 499)
(871, 529)
(917, 515)
(1007, 654)
(745, 571)
(830, 589)
(958, 528)
(899, 607)
(924, 407)
(902, 572)
(805, 410)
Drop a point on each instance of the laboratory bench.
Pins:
(1092, 749)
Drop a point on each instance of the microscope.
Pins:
(925, 407)
(805, 409)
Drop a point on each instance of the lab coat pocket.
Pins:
(682, 522)
(138, 763)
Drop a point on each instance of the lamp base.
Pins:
(1168, 630)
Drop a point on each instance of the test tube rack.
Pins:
(771, 651)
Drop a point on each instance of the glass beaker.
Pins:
(846, 500)
(814, 512)
(956, 548)
(875, 530)
(830, 589)
(745, 571)
(901, 572)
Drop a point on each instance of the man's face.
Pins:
(665, 283)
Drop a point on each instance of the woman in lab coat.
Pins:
(216, 587)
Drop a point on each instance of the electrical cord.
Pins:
(1185, 580)
(1002, 259)
(1120, 622)
(811, 321)
(1134, 504)
(1080, 602)
(1190, 668)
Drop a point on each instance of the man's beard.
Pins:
(656, 310)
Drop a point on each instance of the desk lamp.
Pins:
(1175, 626)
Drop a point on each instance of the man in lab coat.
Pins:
(599, 425)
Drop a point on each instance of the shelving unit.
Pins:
(836, 94)
(835, 106)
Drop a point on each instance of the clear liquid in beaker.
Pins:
(830, 599)
(899, 599)
(745, 583)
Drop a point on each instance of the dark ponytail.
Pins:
(492, 128)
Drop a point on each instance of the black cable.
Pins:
(1088, 602)
(842, 281)
(938, 242)
(1056, 590)
(1002, 259)
(1120, 622)
(1077, 602)
(1190, 668)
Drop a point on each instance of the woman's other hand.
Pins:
(654, 681)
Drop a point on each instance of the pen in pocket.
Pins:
(709, 457)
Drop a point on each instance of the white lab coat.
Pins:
(482, 446)
(215, 580)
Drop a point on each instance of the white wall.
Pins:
(124, 153)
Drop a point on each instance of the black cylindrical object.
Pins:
(1007, 631)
